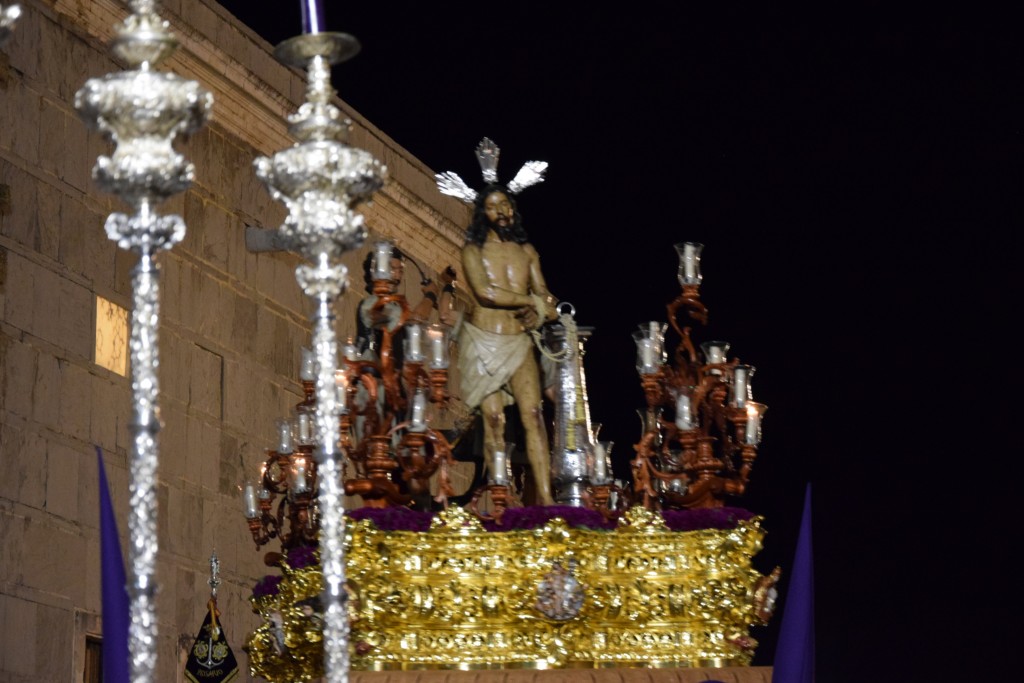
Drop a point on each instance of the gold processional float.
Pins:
(657, 573)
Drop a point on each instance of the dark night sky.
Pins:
(854, 174)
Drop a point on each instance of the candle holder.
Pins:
(706, 452)
(142, 111)
(321, 180)
(8, 19)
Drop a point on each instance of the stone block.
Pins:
(124, 263)
(75, 401)
(287, 289)
(110, 400)
(48, 218)
(189, 592)
(76, 170)
(173, 443)
(21, 222)
(46, 304)
(238, 255)
(231, 473)
(24, 452)
(84, 247)
(62, 481)
(194, 211)
(263, 341)
(124, 442)
(52, 560)
(19, 363)
(18, 620)
(175, 357)
(238, 398)
(282, 353)
(170, 289)
(212, 310)
(215, 237)
(19, 286)
(92, 570)
(209, 457)
(29, 105)
(12, 547)
(52, 126)
(46, 392)
(201, 452)
(185, 513)
(54, 635)
(193, 289)
(243, 323)
(206, 375)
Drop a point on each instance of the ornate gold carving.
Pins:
(461, 597)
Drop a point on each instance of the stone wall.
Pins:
(232, 328)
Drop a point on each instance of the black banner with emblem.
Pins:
(211, 659)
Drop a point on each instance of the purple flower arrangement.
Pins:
(705, 518)
(536, 516)
(394, 518)
(268, 585)
(301, 556)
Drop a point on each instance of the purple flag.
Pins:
(794, 654)
(115, 592)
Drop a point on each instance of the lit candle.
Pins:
(382, 261)
(312, 16)
(500, 473)
(684, 419)
(305, 429)
(646, 355)
(740, 385)
(419, 408)
(249, 495)
(689, 261)
(284, 430)
(754, 413)
(413, 345)
(299, 472)
(438, 347)
(657, 335)
(307, 371)
(600, 464)
(715, 354)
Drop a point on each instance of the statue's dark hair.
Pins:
(476, 233)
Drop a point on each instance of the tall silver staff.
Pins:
(321, 179)
(142, 111)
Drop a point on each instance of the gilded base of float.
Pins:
(460, 597)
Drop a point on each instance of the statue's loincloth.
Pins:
(487, 361)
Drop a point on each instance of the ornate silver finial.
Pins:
(320, 179)
(8, 18)
(214, 580)
(487, 152)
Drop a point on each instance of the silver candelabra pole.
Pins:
(321, 180)
(8, 18)
(142, 111)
